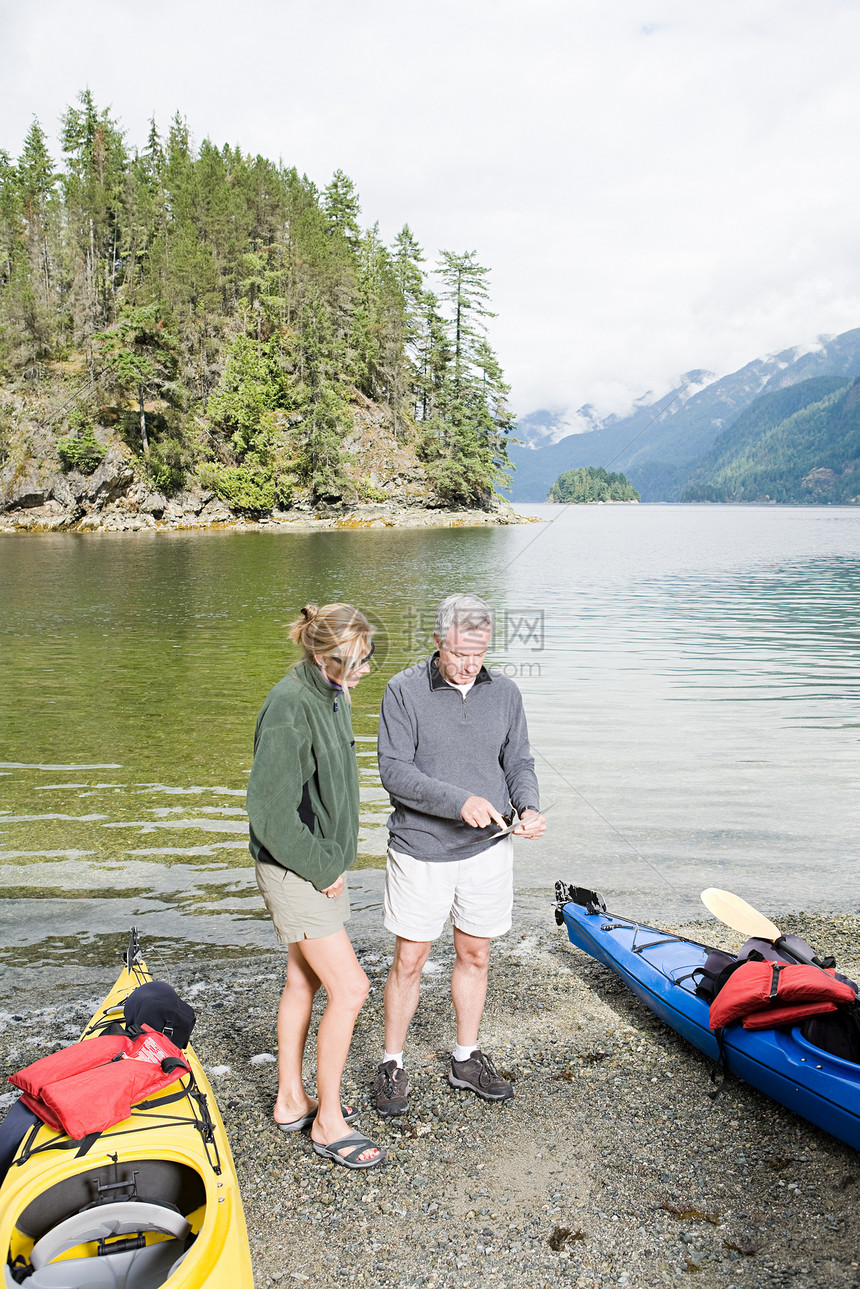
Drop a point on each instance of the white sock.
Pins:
(462, 1053)
(397, 1057)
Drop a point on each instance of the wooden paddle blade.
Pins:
(736, 913)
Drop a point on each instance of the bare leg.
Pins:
(294, 1018)
(403, 989)
(332, 960)
(469, 984)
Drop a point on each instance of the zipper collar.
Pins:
(309, 675)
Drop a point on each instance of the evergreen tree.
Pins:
(95, 191)
(29, 217)
(326, 419)
(434, 359)
(145, 204)
(465, 437)
(36, 182)
(407, 259)
(466, 291)
(250, 410)
(10, 217)
(378, 333)
(140, 355)
(342, 208)
(249, 306)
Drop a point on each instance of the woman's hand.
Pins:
(336, 888)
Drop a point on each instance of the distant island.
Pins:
(194, 333)
(589, 484)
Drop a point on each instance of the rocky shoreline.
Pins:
(180, 516)
(611, 1166)
(114, 500)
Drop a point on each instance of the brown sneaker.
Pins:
(391, 1089)
(478, 1074)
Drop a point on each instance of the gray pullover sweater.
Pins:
(437, 749)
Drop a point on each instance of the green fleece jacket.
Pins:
(303, 791)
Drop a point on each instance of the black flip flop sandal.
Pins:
(350, 1113)
(359, 1144)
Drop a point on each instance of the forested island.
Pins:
(195, 330)
(590, 484)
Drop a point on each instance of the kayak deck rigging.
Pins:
(145, 1111)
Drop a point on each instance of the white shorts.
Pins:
(477, 893)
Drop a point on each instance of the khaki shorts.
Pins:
(477, 894)
(298, 910)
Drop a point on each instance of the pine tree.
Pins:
(377, 331)
(10, 217)
(326, 417)
(36, 183)
(147, 214)
(140, 356)
(34, 288)
(465, 435)
(95, 192)
(407, 261)
(466, 291)
(342, 208)
(434, 362)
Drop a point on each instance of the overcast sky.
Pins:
(656, 185)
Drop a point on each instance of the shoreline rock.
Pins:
(98, 509)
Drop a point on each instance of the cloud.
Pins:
(655, 186)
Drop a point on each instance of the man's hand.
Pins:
(336, 888)
(480, 813)
(531, 825)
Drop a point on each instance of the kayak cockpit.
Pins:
(121, 1225)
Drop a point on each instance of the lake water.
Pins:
(690, 676)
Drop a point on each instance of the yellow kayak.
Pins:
(152, 1201)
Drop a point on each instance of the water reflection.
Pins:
(690, 676)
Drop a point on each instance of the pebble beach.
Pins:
(611, 1166)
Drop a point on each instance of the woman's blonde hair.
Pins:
(338, 634)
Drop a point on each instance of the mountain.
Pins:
(659, 445)
(545, 426)
(797, 445)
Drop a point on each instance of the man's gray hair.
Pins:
(466, 613)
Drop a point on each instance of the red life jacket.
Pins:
(93, 1084)
(767, 994)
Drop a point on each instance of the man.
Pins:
(453, 754)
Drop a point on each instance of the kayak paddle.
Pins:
(736, 913)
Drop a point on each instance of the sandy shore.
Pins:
(611, 1166)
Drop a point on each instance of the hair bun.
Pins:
(309, 612)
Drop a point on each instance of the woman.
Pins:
(303, 812)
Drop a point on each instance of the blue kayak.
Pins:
(661, 969)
